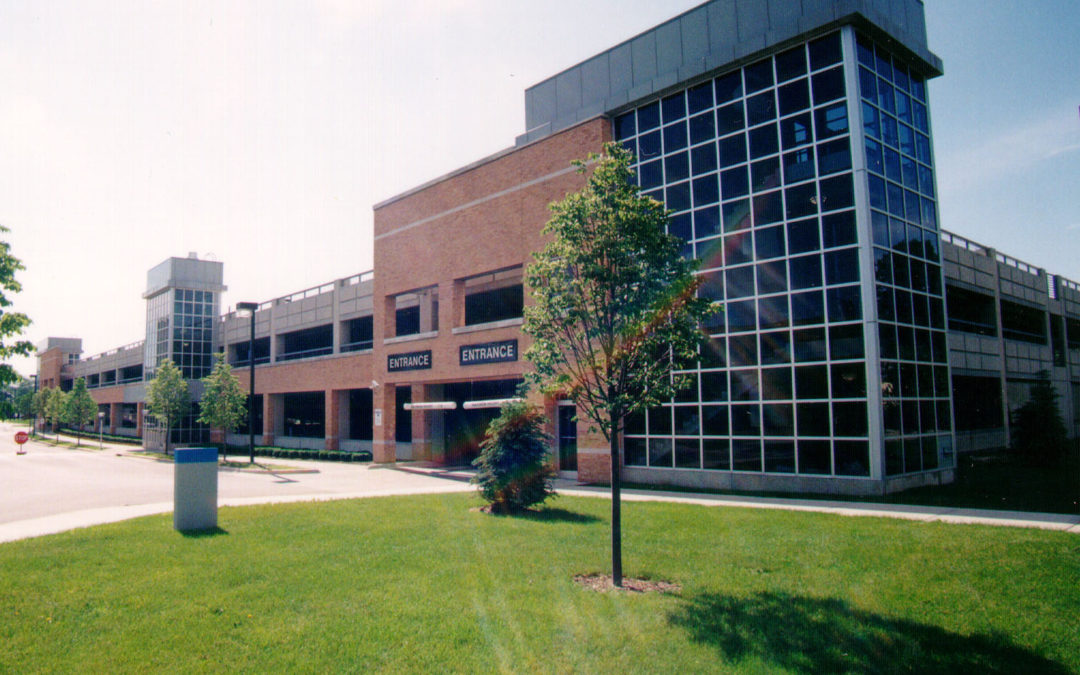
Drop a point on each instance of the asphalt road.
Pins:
(53, 486)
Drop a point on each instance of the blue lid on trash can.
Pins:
(196, 455)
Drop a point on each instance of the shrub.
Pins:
(512, 470)
(1039, 433)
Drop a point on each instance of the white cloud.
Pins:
(1039, 140)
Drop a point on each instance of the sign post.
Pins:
(21, 437)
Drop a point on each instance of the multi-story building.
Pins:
(792, 144)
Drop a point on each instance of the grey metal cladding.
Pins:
(702, 41)
(753, 18)
(643, 53)
(621, 68)
(668, 47)
(568, 92)
(723, 25)
(595, 82)
(540, 104)
(695, 35)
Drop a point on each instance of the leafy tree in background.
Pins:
(54, 410)
(11, 323)
(167, 397)
(79, 408)
(24, 399)
(223, 404)
(1039, 433)
(39, 404)
(615, 308)
(512, 470)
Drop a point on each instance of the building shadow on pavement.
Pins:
(826, 635)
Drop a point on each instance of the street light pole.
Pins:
(100, 429)
(251, 308)
(33, 403)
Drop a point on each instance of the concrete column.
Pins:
(384, 447)
(330, 422)
(335, 317)
(139, 407)
(269, 418)
(1002, 356)
(421, 424)
(114, 415)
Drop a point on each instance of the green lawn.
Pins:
(426, 584)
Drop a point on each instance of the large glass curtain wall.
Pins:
(180, 326)
(193, 331)
(917, 415)
(757, 167)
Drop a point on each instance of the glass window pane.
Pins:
(791, 63)
(702, 128)
(760, 108)
(813, 418)
(793, 97)
(799, 165)
(758, 75)
(673, 107)
(827, 85)
(825, 51)
(763, 141)
(814, 457)
(732, 150)
(729, 87)
(699, 97)
(795, 131)
(802, 236)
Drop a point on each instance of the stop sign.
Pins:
(21, 437)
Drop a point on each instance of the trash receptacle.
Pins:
(195, 487)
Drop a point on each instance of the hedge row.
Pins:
(325, 455)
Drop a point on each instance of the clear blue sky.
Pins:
(263, 131)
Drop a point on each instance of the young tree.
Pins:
(54, 410)
(512, 470)
(616, 310)
(1039, 433)
(79, 408)
(167, 397)
(40, 405)
(11, 323)
(224, 404)
(24, 399)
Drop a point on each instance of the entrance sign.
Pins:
(488, 352)
(410, 361)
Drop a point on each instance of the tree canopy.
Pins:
(12, 324)
(167, 397)
(79, 408)
(223, 404)
(616, 312)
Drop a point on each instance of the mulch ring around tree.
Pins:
(602, 584)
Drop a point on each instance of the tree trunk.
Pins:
(616, 512)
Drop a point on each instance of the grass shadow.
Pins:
(550, 515)
(826, 635)
(201, 534)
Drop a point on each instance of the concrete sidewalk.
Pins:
(456, 480)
